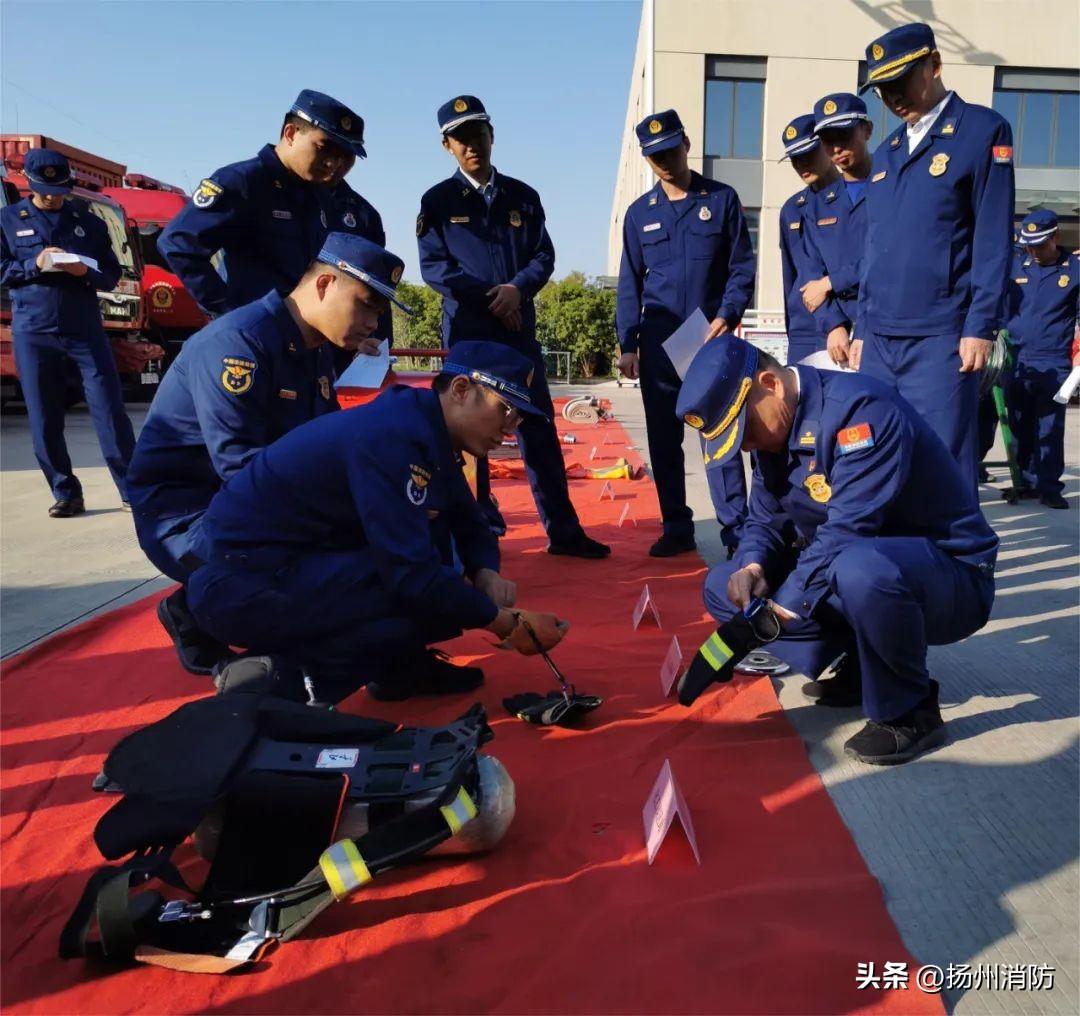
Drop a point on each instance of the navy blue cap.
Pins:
(366, 261)
(799, 137)
(461, 110)
(340, 123)
(504, 370)
(48, 172)
(892, 55)
(659, 132)
(839, 110)
(713, 395)
(1038, 226)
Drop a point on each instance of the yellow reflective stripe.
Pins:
(458, 811)
(899, 62)
(723, 449)
(744, 390)
(343, 868)
(715, 651)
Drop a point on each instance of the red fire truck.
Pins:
(123, 311)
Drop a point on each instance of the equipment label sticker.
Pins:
(337, 758)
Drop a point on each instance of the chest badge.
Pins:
(25, 232)
(807, 440)
(281, 213)
(1063, 281)
(79, 231)
(515, 218)
(818, 488)
(652, 200)
(416, 489)
(350, 220)
(938, 164)
(287, 393)
(879, 176)
(704, 213)
(459, 219)
(324, 387)
(238, 375)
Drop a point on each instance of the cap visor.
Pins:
(1030, 239)
(898, 73)
(800, 149)
(381, 287)
(662, 144)
(355, 147)
(454, 124)
(724, 447)
(525, 407)
(839, 122)
(50, 188)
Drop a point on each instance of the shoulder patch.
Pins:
(238, 375)
(420, 224)
(206, 194)
(416, 487)
(1003, 154)
(854, 438)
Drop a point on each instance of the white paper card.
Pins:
(367, 371)
(686, 340)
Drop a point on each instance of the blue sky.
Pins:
(175, 90)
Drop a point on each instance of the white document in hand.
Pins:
(686, 340)
(54, 258)
(367, 371)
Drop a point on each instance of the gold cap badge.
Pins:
(829, 108)
(346, 123)
(1031, 227)
(655, 127)
(460, 105)
(790, 133)
(877, 51)
(694, 421)
(395, 274)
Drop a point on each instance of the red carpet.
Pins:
(565, 916)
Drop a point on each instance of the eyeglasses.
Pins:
(511, 414)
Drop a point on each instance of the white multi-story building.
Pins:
(738, 70)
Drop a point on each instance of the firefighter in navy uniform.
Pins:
(814, 167)
(269, 215)
(238, 385)
(55, 318)
(939, 209)
(685, 246)
(1042, 305)
(484, 247)
(895, 552)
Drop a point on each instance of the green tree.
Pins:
(423, 330)
(578, 316)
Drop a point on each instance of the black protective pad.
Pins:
(552, 709)
(273, 830)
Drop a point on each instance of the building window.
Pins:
(1043, 108)
(734, 107)
(884, 121)
(753, 224)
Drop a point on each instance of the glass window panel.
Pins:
(1035, 138)
(1067, 135)
(718, 104)
(753, 224)
(1008, 105)
(749, 105)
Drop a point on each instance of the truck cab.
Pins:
(123, 311)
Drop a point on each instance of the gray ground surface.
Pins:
(975, 845)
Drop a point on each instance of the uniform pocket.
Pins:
(656, 248)
(705, 242)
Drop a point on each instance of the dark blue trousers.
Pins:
(542, 453)
(324, 611)
(926, 372)
(801, 346)
(890, 597)
(42, 362)
(171, 543)
(660, 385)
(1038, 424)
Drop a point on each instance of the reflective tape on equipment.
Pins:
(458, 811)
(344, 868)
(715, 651)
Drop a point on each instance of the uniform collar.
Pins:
(804, 428)
(292, 339)
(429, 404)
(476, 184)
(269, 158)
(925, 122)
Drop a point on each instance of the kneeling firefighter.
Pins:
(294, 808)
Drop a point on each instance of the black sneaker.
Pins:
(581, 546)
(1053, 501)
(198, 652)
(669, 546)
(900, 740)
(840, 690)
(984, 475)
(65, 507)
(429, 674)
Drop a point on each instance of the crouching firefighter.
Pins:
(332, 550)
(864, 538)
(293, 807)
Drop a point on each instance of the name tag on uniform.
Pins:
(1022, 281)
(25, 232)
(650, 227)
(459, 218)
(794, 225)
(286, 393)
(827, 222)
(278, 213)
(879, 176)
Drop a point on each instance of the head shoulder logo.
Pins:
(49, 172)
(1031, 227)
(791, 132)
(878, 51)
(460, 105)
(346, 123)
(395, 274)
(655, 127)
(238, 375)
(416, 489)
(694, 421)
(829, 108)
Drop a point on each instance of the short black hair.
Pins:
(297, 121)
(442, 382)
(766, 361)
